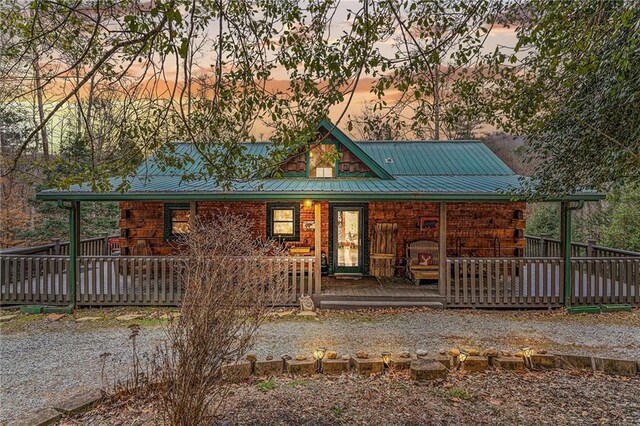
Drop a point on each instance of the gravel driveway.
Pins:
(48, 363)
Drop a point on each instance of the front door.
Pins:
(348, 238)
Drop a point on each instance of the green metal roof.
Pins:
(436, 158)
(426, 158)
(412, 170)
(399, 185)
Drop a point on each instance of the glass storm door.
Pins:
(348, 238)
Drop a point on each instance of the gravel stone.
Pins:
(54, 360)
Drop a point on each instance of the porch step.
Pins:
(361, 304)
(383, 298)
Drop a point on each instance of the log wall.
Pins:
(144, 221)
(473, 229)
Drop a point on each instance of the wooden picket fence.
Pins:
(134, 280)
(538, 282)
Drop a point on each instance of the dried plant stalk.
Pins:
(229, 278)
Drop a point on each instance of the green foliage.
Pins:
(570, 87)
(453, 393)
(266, 385)
(97, 219)
(14, 126)
(623, 227)
(614, 222)
(544, 220)
(338, 410)
(298, 382)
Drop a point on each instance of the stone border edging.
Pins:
(424, 367)
(78, 403)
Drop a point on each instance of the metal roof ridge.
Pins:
(434, 141)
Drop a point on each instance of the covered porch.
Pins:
(550, 273)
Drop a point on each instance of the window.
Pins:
(322, 161)
(283, 221)
(176, 220)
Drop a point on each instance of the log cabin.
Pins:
(377, 208)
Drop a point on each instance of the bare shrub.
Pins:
(228, 280)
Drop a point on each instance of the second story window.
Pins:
(322, 161)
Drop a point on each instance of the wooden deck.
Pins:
(470, 282)
(381, 293)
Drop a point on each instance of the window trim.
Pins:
(296, 221)
(168, 223)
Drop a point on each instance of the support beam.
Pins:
(565, 246)
(193, 212)
(565, 250)
(442, 248)
(74, 252)
(318, 245)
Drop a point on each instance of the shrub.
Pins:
(227, 285)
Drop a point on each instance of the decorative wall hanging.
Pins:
(429, 223)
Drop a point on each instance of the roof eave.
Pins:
(325, 196)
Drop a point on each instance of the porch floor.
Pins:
(370, 292)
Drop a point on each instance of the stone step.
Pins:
(360, 304)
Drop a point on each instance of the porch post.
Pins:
(565, 250)
(442, 248)
(318, 246)
(193, 211)
(565, 246)
(74, 252)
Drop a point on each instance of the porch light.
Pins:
(318, 354)
(308, 203)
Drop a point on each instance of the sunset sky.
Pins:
(340, 24)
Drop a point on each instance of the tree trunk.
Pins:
(40, 101)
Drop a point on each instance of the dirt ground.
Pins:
(44, 361)
(492, 398)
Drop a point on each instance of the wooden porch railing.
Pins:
(130, 280)
(504, 282)
(97, 246)
(549, 247)
(538, 282)
(600, 281)
(470, 282)
(33, 279)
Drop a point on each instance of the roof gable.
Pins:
(356, 150)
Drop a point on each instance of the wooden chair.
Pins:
(423, 260)
(382, 261)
